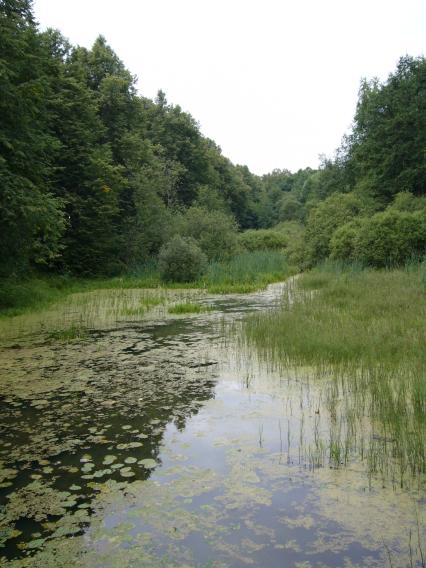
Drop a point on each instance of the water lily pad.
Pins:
(87, 467)
(148, 463)
(127, 473)
(108, 460)
(130, 460)
(102, 472)
(134, 444)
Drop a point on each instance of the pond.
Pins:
(157, 440)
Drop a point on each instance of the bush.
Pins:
(262, 239)
(342, 244)
(324, 219)
(406, 201)
(391, 238)
(214, 231)
(181, 260)
(294, 233)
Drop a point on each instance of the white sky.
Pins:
(273, 82)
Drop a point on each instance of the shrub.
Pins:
(324, 219)
(342, 244)
(406, 201)
(181, 260)
(294, 233)
(262, 239)
(214, 231)
(391, 238)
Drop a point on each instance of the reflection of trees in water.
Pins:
(122, 409)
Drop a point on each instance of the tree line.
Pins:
(96, 179)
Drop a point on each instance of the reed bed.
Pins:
(363, 333)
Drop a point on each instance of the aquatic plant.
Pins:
(188, 308)
(363, 334)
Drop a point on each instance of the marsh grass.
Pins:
(241, 274)
(363, 332)
(189, 308)
(73, 333)
(247, 272)
(78, 314)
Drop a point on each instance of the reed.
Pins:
(363, 333)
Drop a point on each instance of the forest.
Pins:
(200, 366)
(97, 180)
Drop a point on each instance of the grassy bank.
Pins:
(365, 331)
(244, 273)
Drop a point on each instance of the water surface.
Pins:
(156, 441)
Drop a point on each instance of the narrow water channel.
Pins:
(163, 443)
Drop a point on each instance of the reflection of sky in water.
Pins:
(234, 485)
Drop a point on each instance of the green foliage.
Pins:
(91, 174)
(342, 244)
(247, 272)
(391, 238)
(181, 260)
(23, 293)
(324, 219)
(214, 231)
(294, 234)
(406, 201)
(290, 208)
(262, 239)
(188, 308)
(389, 136)
(31, 219)
(95, 179)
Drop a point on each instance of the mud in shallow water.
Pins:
(155, 443)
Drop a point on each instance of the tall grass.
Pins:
(243, 273)
(366, 331)
(247, 272)
(183, 308)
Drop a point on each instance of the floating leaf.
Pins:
(38, 543)
(108, 460)
(87, 467)
(148, 463)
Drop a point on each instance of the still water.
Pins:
(160, 442)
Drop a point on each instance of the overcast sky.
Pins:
(273, 82)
